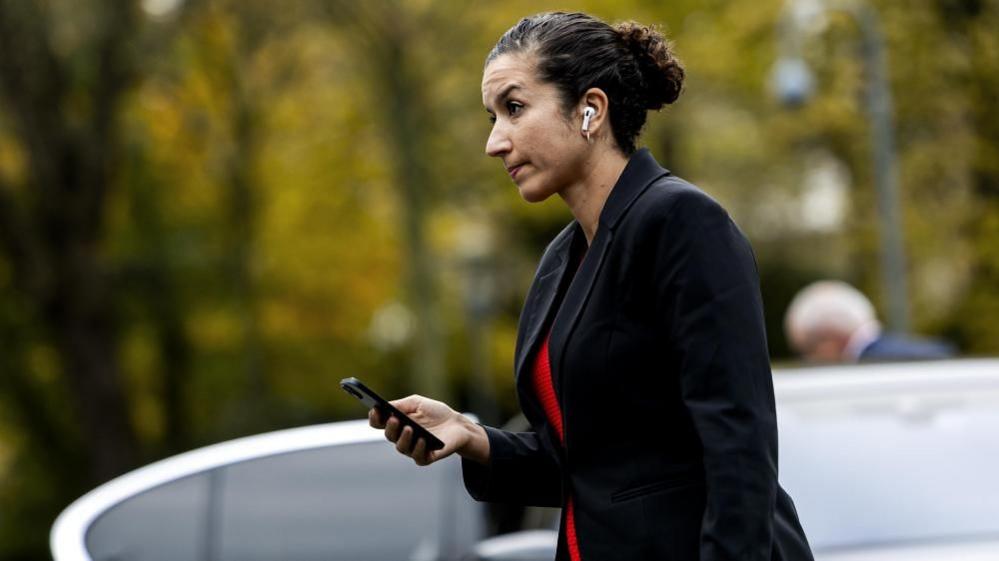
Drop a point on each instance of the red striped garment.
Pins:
(544, 388)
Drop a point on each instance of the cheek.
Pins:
(533, 139)
(550, 142)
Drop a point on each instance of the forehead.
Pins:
(512, 69)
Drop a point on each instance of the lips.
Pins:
(513, 170)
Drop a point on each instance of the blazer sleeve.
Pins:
(708, 288)
(520, 471)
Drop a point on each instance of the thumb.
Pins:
(408, 404)
(436, 455)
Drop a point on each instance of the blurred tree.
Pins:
(383, 36)
(968, 26)
(64, 111)
(61, 94)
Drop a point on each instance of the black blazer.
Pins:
(659, 360)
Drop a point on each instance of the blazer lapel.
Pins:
(574, 302)
(538, 305)
(642, 170)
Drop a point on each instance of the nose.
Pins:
(498, 144)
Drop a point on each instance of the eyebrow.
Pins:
(505, 93)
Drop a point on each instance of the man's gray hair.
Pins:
(828, 306)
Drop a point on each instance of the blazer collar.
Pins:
(542, 294)
(638, 174)
(641, 170)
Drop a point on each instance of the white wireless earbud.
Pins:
(588, 113)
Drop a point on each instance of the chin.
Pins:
(534, 195)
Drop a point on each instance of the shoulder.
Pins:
(676, 221)
(893, 346)
(672, 202)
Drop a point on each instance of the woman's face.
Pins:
(542, 152)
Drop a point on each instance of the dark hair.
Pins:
(632, 63)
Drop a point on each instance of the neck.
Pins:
(586, 197)
(860, 339)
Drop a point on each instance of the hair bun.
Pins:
(661, 70)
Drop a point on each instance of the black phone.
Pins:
(354, 387)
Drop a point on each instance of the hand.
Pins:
(452, 428)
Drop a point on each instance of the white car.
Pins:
(336, 491)
(894, 461)
(884, 462)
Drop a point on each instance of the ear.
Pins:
(597, 99)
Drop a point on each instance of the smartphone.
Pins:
(354, 387)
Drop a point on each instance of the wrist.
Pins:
(476, 445)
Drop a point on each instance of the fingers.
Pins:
(405, 443)
(375, 419)
(393, 429)
(401, 435)
(420, 453)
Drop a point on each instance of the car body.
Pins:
(893, 461)
(884, 462)
(335, 491)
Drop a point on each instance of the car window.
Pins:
(876, 470)
(164, 523)
(369, 504)
(353, 502)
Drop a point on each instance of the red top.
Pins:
(543, 387)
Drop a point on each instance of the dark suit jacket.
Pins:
(659, 359)
(893, 347)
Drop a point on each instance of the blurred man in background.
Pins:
(831, 321)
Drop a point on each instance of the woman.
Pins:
(641, 357)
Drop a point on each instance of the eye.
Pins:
(492, 118)
(514, 107)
